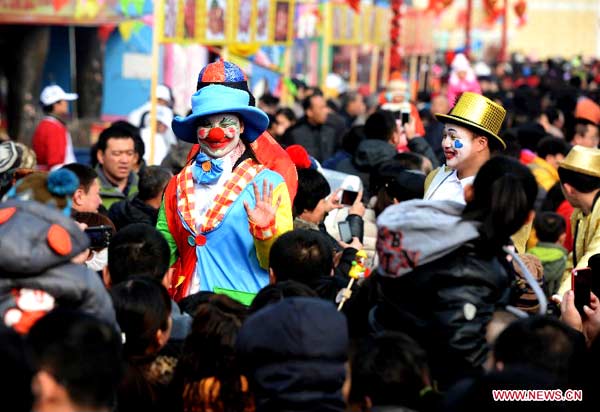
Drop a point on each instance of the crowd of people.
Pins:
(356, 253)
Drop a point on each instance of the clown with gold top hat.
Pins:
(470, 136)
(223, 211)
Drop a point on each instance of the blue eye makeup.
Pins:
(458, 144)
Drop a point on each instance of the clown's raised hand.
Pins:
(263, 214)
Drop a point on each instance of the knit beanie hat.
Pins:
(52, 189)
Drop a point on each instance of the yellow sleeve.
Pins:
(543, 178)
(521, 236)
(283, 223)
(430, 178)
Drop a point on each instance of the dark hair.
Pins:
(82, 353)
(85, 174)
(134, 131)
(554, 198)
(549, 226)
(347, 98)
(153, 180)
(381, 125)
(581, 182)
(276, 292)
(48, 108)
(552, 113)
(269, 99)
(271, 120)
(352, 139)
(138, 250)
(209, 352)
(550, 145)
(301, 255)
(17, 370)
(307, 102)
(392, 181)
(540, 342)
(409, 160)
(312, 187)
(504, 192)
(287, 113)
(389, 368)
(114, 132)
(143, 307)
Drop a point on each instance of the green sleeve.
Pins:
(163, 228)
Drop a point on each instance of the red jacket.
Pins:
(50, 143)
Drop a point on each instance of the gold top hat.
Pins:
(477, 112)
(583, 160)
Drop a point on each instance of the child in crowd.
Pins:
(551, 232)
(143, 309)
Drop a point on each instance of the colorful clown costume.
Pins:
(209, 210)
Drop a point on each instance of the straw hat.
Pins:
(583, 160)
(475, 111)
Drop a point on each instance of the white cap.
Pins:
(163, 92)
(54, 93)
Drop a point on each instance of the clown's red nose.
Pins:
(216, 134)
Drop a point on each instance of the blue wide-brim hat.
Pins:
(215, 99)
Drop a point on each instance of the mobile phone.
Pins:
(99, 236)
(349, 197)
(345, 232)
(405, 117)
(594, 264)
(581, 283)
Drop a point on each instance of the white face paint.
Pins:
(457, 143)
(219, 134)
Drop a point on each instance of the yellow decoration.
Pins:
(244, 49)
(86, 9)
(126, 29)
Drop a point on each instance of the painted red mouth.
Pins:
(449, 154)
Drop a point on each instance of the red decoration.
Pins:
(354, 4)
(437, 6)
(520, 8)
(396, 48)
(493, 10)
(200, 240)
(105, 31)
(59, 4)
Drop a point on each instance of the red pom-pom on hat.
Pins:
(299, 156)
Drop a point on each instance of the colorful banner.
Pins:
(94, 12)
(243, 25)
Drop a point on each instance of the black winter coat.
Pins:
(445, 305)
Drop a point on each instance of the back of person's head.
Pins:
(84, 173)
(116, 131)
(393, 183)
(513, 146)
(390, 369)
(209, 346)
(80, 353)
(138, 250)
(552, 114)
(502, 198)
(152, 183)
(301, 255)
(209, 360)
(276, 292)
(293, 353)
(530, 134)
(143, 309)
(287, 113)
(549, 226)
(581, 182)
(352, 139)
(17, 371)
(409, 160)
(312, 188)
(550, 145)
(381, 125)
(542, 343)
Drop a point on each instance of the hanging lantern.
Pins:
(520, 8)
(438, 6)
(396, 48)
(493, 10)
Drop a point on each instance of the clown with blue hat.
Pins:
(223, 211)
